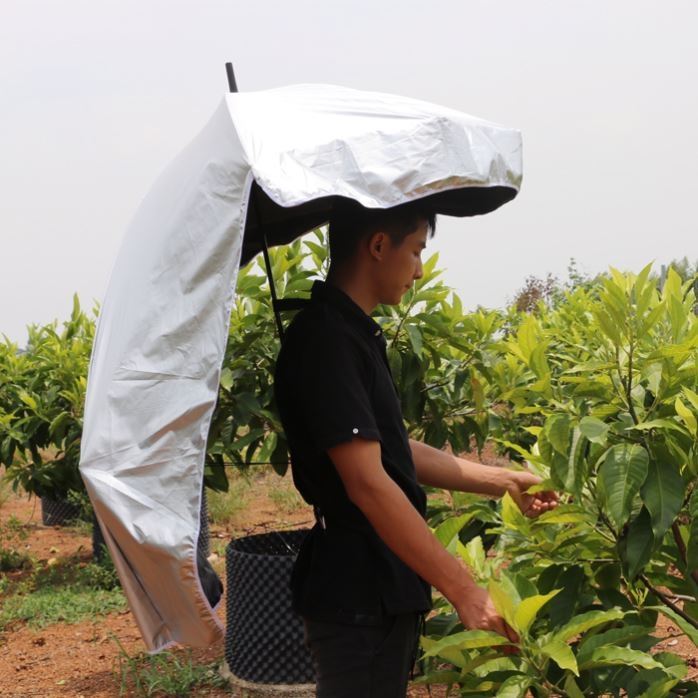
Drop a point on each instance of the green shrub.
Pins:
(608, 390)
(42, 401)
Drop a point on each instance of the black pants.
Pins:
(357, 661)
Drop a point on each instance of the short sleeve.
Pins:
(335, 382)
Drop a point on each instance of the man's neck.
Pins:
(357, 290)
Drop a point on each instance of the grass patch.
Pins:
(285, 497)
(65, 591)
(224, 507)
(67, 605)
(164, 674)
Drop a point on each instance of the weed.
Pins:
(11, 559)
(100, 575)
(12, 535)
(285, 497)
(50, 605)
(224, 507)
(164, 674)
(81, 526)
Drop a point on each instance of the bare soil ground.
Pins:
(82, 659)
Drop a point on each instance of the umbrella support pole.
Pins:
(272, 287)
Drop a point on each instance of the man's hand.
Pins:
(440, 469)
(477, 612)
(531, 505)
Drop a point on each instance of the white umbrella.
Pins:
(268, 164)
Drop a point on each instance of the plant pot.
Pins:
(203, 542)
(58, 512)
(264, 641)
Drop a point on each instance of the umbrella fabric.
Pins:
(269, 162)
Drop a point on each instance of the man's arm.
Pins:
(440, 469)
(403, 530)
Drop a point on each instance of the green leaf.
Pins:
(473, 554)
(450, 654)
(575, 463)
(415, 339)
(623, 471)
(636, 544)
(594, 429)
(585, 621)
(58, 422)
(689, 630)
(663, 493)
(619, 656)
(562, 514)
(561, 654)
(27, 399)
(691, 396)
(505, 598)
(538, 362)
(677, 315)
(527, 337)
(512, 516)
(615, 636)
(528, 609)
(226, 379)
(571, 687)
(246, 440)
(689, 419)
(450, 528)
(608, 326)
(673, 673)
(657, 424)
(515, 686)
(557, 428)
(467, 640)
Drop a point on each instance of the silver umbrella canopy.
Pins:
(268, 165)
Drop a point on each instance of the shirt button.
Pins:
(355, 431)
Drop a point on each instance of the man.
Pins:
(362, 579)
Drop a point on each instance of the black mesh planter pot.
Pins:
(58, 512)
(264, 642)
(203, 543)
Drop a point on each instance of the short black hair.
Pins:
(350, 222)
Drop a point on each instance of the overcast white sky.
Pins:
(96, 96)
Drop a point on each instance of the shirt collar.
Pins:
(322, 291)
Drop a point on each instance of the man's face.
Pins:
(402, 265)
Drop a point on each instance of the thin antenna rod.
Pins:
(232, 84)
(272, 288)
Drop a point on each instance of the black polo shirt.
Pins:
(332, 383)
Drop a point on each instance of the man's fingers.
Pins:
(503, 628)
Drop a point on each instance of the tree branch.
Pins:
(682, 550)
(667, 601)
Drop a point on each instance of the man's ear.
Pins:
(376, 245)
